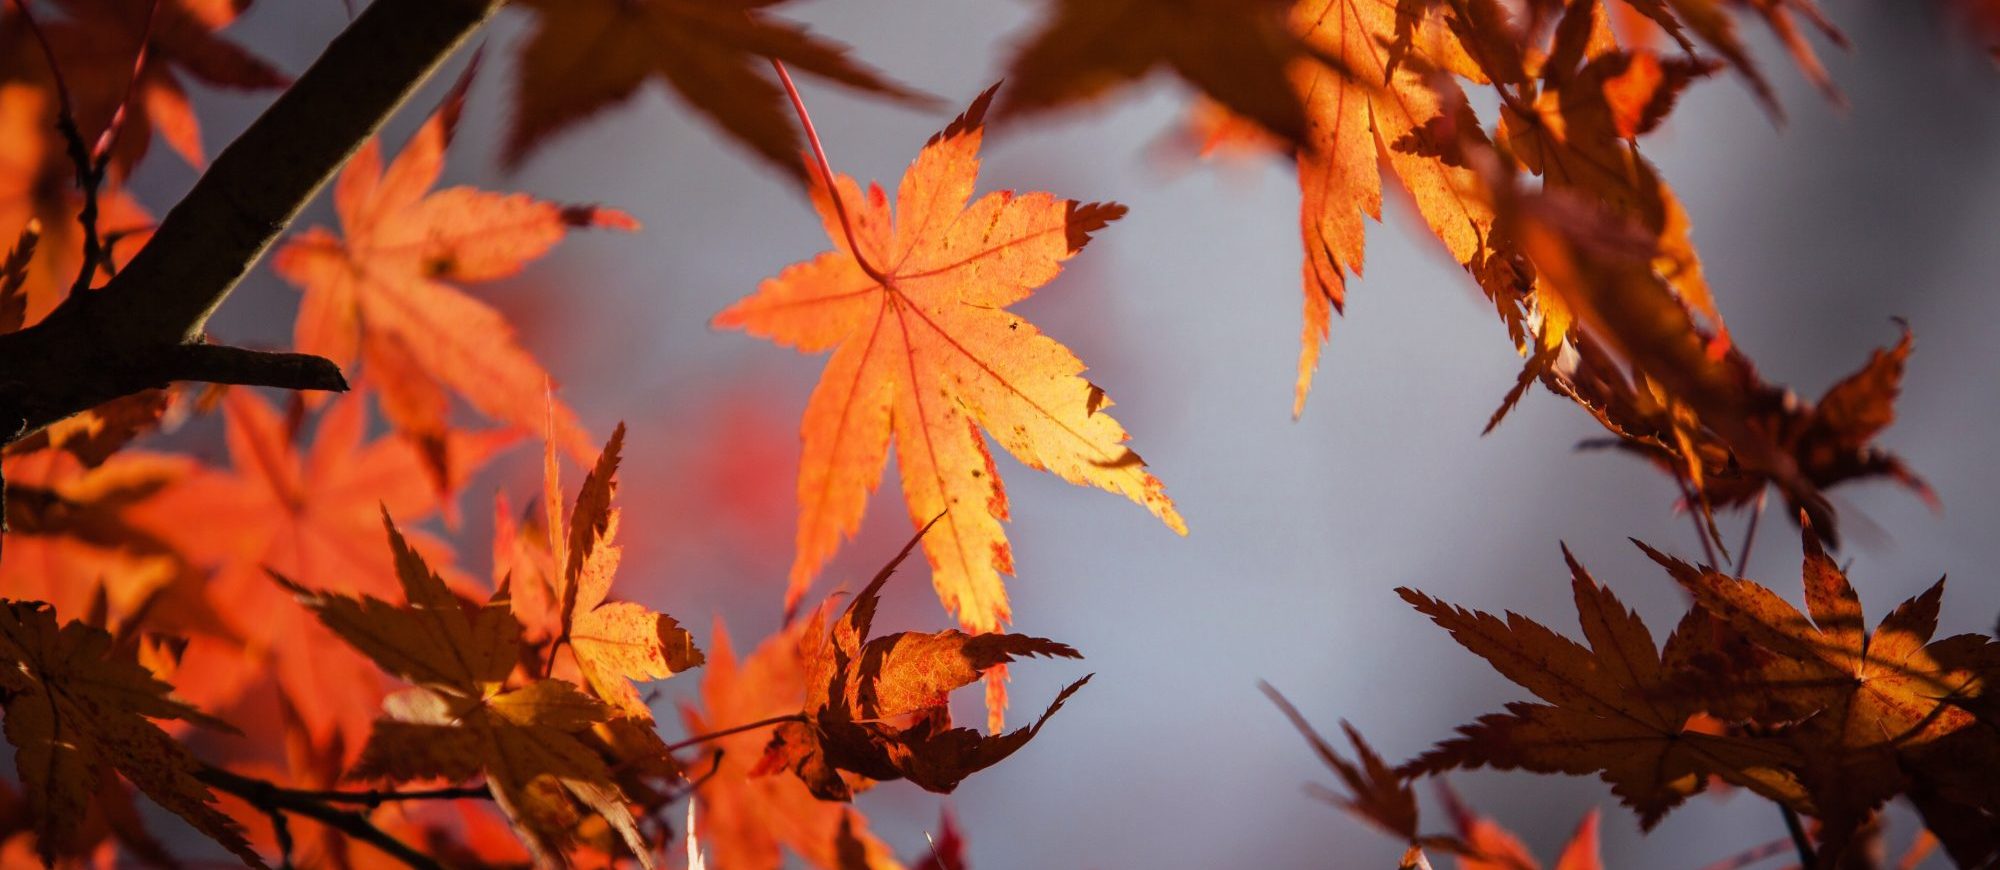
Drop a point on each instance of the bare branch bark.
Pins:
(145, 327)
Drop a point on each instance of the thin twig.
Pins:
(109, 136)
(713, 735)
(826, 172)
(373, 798)
(1751, 855)
(275, 800)
(1808, 860)
(89, 170)
(1694, 515)
(281, 827)
(1749, 536)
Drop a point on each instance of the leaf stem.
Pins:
(1808, 860)
(1695, 511)
(1750, 536)
(109, 136)
(826, 172)
(714, 735)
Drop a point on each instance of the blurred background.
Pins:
(1815, 233)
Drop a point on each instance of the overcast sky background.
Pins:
(1814, 235)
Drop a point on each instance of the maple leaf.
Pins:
(913, 307)
(92, 436)
(1578, 133)
(382, 288)
(313, 515)
(460, 722)
(747, 818)
(1378, 795)
(584, 55)
(98, 40)
(75, 706)
(613, 643)
(1693, 402)
(1235, 52)
(878, 708)
(1621, 707)
(1865, 702)
(1488, 846)
(70, 537)
(1711, 22)
(1367, 111)
(14, 277)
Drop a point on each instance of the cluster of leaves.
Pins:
(261, 590)
(1810, 710)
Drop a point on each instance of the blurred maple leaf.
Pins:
(460, 722)
(925, 352)
(584, 55)
(69, 534)
(381, 290)
(1234, 51)
(1488, 846)
(97, 42)
(76, 704)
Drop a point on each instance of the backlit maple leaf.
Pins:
(1621, 708)
(613, 642)
(382, 289)
(585, 55)
(461, 722)
(1872, 707)
(312, 514)
(878, 708)
(75, 706)
(746, 819)
(926, 354)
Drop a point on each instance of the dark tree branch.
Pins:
(222, 364)
(138, 330)
(277, 802)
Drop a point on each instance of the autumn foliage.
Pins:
(300, 581)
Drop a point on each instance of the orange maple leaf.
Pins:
(313, 515)
(613, 642)
(913, 306)
(879, 708)
(1368, 110)
(382, 289)
(69, 537)
(461, 720)
(745, 819)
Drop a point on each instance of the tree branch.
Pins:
(136, 332)
(275, 801)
